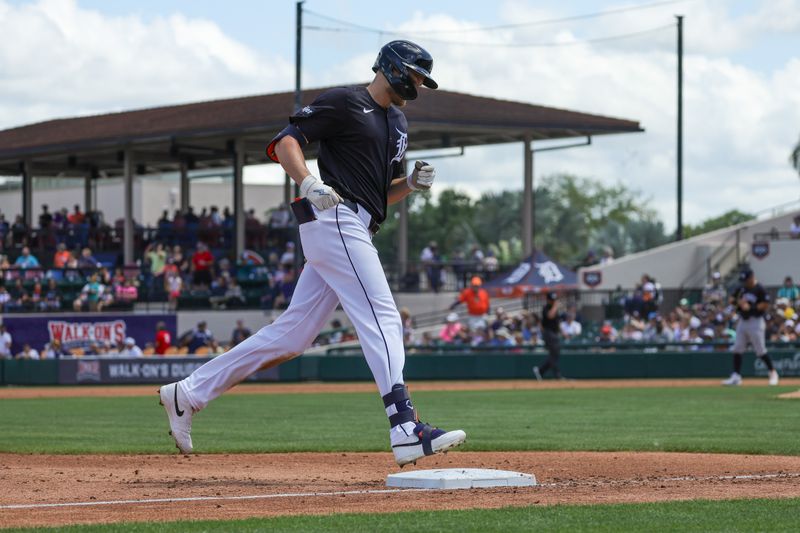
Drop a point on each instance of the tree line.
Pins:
(572, 216)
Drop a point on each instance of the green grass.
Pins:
(689, 516)
(741, 420)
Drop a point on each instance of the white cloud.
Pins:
(66, 60)
(740, 121)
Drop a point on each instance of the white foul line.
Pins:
(209, 498)
(355, 492)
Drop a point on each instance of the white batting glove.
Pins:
(422, 176)
(319, 194)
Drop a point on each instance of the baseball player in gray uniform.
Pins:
(751, 301)
(362, 136)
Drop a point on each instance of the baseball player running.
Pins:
(751, 301)
(363, 136)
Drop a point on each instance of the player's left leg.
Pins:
(758, 340)
(349, 263)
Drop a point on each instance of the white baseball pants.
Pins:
(342, 266)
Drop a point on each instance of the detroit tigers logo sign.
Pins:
(402, 144)
(549, 272)
(593, 278)
(760, 250)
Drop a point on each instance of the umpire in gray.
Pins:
(752, 302)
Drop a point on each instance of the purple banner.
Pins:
(82, 329)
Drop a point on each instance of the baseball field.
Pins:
(657, 455)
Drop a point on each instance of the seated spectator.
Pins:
(53, 350)
(503, 338)
(126, 293)
(129, 349)
(608, 334)
(656, 331)
(26, 260)
(287, 258)
(91, 296)
(52, 297)
(20, 298)
(28, 353)
(200, 336)
(87, 263)
(789, 290)
(61, 257)
(240, 333)
(570, 327)
(284, 289)
(451, 329)
(163, 339)
(490, 262)
(37, 297)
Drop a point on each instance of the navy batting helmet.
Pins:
(396, 59)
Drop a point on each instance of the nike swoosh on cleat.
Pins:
(368, 110)
(180, 413)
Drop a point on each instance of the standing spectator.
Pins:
(157, 256)
(431, 261)
(5, 299)
(408, 326)
(752, 302)
(163, 338)
(26, 260)
(5, 342)
(76, 217)
(477, 300)
(794, 229)
(28, 353)
(239, 333)
(202, 266)
(173, 285)
(789, 290)
(550, 330)
(45, 218)
(490, 262)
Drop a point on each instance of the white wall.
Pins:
(783, 260)
(675, 263)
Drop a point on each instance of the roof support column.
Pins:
(27, 193)
(127, 199)
(402, 238)
(527, 200)
(87, 192)
(184, 170)
(238, 197)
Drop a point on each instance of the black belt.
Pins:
(373, 226)
(303, 212)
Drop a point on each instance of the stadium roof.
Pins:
(203, 133)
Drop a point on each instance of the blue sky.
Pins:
(742, 75)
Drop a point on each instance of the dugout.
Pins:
(233, 132)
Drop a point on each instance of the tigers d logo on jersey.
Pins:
(402, 144)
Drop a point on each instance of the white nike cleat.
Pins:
(179, 413)
(734, 381)
(773, 377)
(425, 440)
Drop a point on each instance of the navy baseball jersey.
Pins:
(754, 296)
(361, 144)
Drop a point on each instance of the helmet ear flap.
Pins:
(392, 60)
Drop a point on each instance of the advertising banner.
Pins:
(88, 370)
(80, 330)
